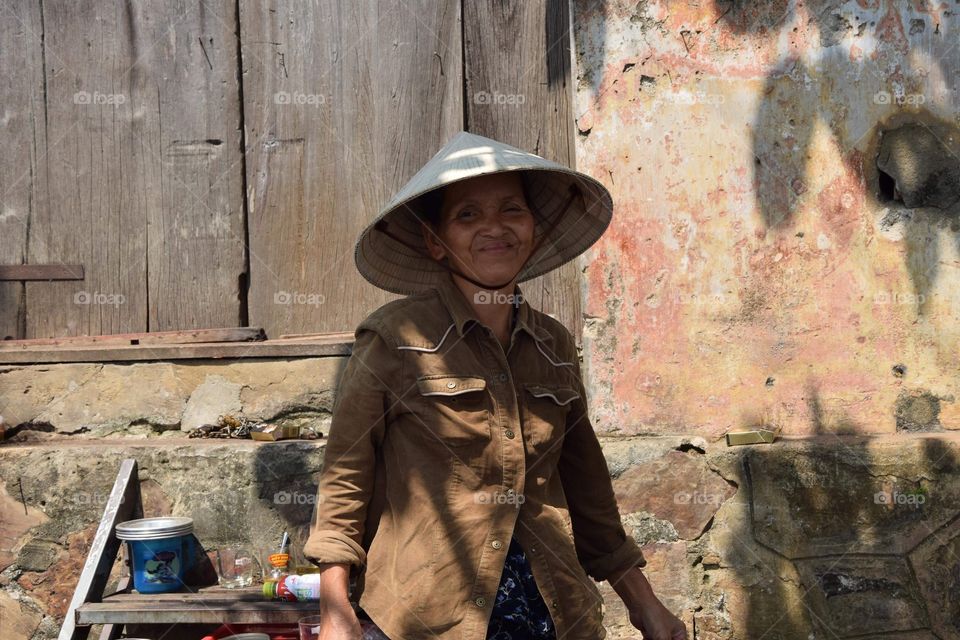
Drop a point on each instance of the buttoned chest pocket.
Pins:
(545, 412)
(455, 409)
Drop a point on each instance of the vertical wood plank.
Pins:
(97, 192)
(22, 136)
(136, 193)
(518, 90)
(196, 239)
(344, 102)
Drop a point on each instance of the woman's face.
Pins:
(485, 229)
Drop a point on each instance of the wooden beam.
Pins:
(122, 505)
(21, 272)
(143, 353)
(231, 334)
(341, 336)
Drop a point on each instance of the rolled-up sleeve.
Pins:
(347, 475)
(602, 545)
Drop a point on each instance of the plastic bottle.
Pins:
(293, 588)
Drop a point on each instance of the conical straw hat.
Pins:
(405, 267)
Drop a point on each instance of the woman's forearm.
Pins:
(632, 587)
(334, 585)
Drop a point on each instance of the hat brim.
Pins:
(401, 264)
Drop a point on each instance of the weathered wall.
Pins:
(759, 269)
(743, 543)
(164, 398)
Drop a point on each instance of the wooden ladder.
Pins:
(207, 605)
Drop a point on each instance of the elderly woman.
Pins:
(462, 479)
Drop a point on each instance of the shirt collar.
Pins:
(462, 312)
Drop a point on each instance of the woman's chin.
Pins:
(499, 273)
(498, 277)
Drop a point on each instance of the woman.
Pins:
(461, 470)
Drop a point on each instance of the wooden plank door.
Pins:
(518, 90)
(22, 138)
(138, 169)
(345, 101)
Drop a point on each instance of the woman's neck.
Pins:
(494, 309)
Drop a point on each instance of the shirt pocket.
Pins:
(545, 411)
(456, 409)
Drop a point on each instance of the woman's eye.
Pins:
(465, 213)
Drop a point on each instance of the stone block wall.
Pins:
(822, 536)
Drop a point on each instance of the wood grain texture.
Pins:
(143, 167)
(22, 138)
(518, 90)
(213, 605)
(345, 101)
(196, 238)
(130, 136)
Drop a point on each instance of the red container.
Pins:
(275, 631)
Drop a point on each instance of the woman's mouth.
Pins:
(496, 247)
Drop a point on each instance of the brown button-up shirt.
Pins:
(442, 447)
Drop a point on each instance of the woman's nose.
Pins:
(491, 223)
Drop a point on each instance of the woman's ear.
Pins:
(434, 246)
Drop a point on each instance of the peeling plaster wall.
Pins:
(753, 274)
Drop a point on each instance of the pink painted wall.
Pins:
(739, 142)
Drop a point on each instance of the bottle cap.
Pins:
(270, 590)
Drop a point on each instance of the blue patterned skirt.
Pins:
(519, 612)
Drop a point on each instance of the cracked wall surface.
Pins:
(760, 269)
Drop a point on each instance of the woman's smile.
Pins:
(485, 228)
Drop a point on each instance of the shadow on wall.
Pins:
(849, 537)
(892, 113)
(285, 479)
(907, 158)
(857, 537)
(846, 536)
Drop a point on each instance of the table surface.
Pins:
(207, 605)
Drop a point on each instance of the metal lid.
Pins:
(248, 636)
(154, 528)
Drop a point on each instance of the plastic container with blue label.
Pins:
(161, 550)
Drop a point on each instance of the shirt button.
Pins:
(496, 544)
(451, 385)
(554, 604)
(502, 377)
(480, 602)
(509, 433)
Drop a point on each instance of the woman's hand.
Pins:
(338, 621)
(647, 613)
(656, 622)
